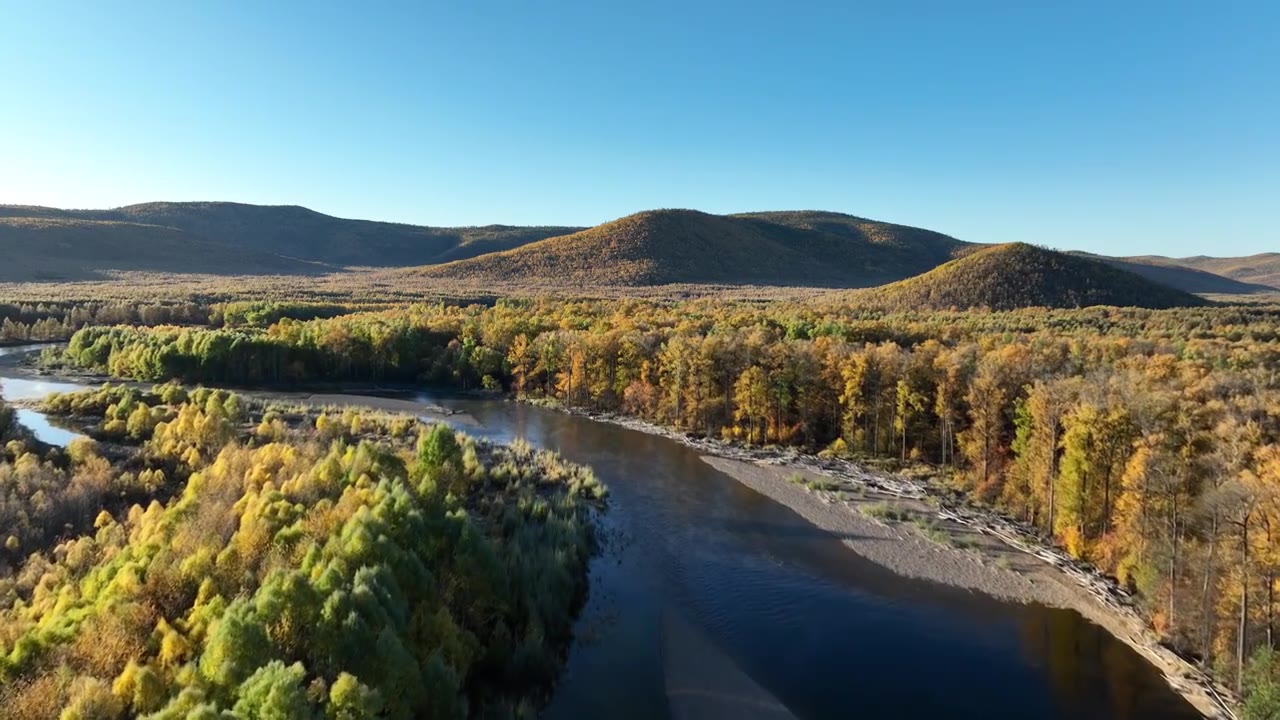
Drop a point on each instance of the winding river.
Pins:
(711, 600)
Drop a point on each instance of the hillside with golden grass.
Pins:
(1260, 269)
(1187, 279)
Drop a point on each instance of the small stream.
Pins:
(706, 587)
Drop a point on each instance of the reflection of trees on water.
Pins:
(1092, 674)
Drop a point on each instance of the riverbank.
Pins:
(907, 527)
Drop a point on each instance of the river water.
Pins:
(17, 388)
(713, 601)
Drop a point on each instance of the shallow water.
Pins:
(13, 388)
(770, 603)
(43, 429)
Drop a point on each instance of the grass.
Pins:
(886, 511)
(813, 483)
(934, 531)
(931, 530)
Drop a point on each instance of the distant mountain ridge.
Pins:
(1180, 276)
(802, 248)
(1018, 275)
(67, 248)
(1262, 269)
(297, 232)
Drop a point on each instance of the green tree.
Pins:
(350, 699)
(275, 692)
(1262, 686)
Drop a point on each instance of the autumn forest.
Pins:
(1144, 442)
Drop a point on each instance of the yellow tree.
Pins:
(751, 402)
(520, 359)
(571, 381)
(1244, 502)
(853, 376)
(982, 442)
(909, 403)
(1037, 434)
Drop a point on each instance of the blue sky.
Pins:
(1147, 128)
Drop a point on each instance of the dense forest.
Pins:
(45, 321)
(58, 320)
(211, 557)
(1142, 441)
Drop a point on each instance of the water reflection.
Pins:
(17, 389)
(44, 431)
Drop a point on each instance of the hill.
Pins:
(1261, 269)
(297, 232)
(1006, 277)
(660, 247)
(1177, 275)
(802, 248)
(56, 249)
(927, 247)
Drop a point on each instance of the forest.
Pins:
(208, 556)
(1141, 441)
(58, 320)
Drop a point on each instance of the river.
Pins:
(708, 592)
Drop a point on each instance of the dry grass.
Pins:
(364, 286)
(1261, 269)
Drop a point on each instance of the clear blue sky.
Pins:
(1115, 127)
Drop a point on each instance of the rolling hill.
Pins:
(803, 248)
(926, 247)
(1262, 269)
(661, 247)
(1006, 277)
(296, 232)
(58, 249)
(1174, 274)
